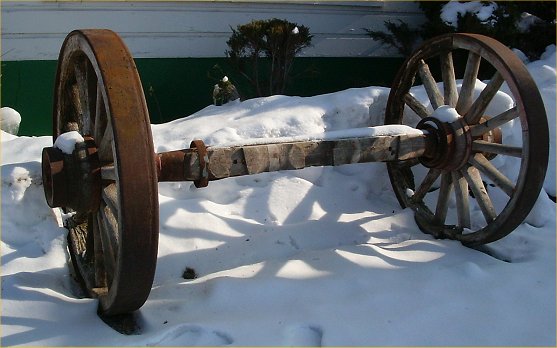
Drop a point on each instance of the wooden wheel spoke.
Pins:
(481, 163)
(461, 195)
(77, 107)
(476, 184)
(109, 237)
(82, 95)
(430, 85)
(416, 106)
(109, 173)
(110, 197)
(426, 184)
(477, 109)
(449, 80)
(500, 149)
(91, 87)
(406, 164)
(468, 83)
(105, 144)
(100, 274)
(443, 200)
(100, 114)
(495, 122)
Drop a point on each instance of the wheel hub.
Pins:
(72, 181)
(452, 142)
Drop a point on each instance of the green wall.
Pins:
(177, 87)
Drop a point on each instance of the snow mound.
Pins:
(9, 120)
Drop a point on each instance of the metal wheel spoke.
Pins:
(500, 149)
(468, 83)
(416, 106)
(461, 195)
(495, 122)
(476, 184)
(449, 80)
(477, 109)
(505, 184)
(426, 184)
(443, 199)
(430, 85)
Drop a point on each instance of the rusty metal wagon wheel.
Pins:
(113, 243)
(463, 190)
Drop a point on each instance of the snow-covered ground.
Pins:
(319, 256)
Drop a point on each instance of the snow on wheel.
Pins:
(480, 183)
(109, 182)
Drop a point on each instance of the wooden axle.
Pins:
(64, 174)
(224, 162)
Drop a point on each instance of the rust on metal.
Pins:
(171, 165)
(203, 160)
(72, 180)
(54, 177)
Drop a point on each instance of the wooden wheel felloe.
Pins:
(463, 190)
(112, 241)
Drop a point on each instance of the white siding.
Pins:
(35, 30)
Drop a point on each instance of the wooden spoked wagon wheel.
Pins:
(463, 190)
(98, 93)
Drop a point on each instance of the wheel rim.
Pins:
(98, 93)
(431, 187)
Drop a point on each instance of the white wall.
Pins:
(36, 30)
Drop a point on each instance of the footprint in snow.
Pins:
(303, 335)
(189, 335)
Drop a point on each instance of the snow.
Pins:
(454, 8)
(66, 141)
(9, 120)
(319, 256)
(445, 113)
(526, 21)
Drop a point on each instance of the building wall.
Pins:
(177, 44)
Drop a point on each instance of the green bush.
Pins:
(399, 36)
(275, 40)
(503, 24)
